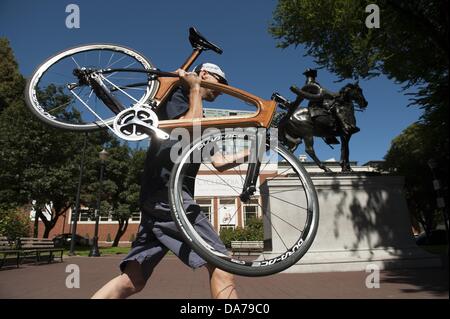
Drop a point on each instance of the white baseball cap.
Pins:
(212, 68)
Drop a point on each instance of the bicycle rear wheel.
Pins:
(57, 94)
(282, 213)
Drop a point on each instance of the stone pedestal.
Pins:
(364, 220)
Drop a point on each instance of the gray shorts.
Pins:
(158, 234)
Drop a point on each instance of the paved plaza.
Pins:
(173, 280)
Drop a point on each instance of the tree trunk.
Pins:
(49, 224)
(36, 225)
(123, 224)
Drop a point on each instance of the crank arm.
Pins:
(158, 132)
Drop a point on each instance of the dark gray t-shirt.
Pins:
(158, 164)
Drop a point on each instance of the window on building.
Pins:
(226, 227)
(206, 206)
(105, 218)
(136, 216)
(251, 210)
(228, 213)
(84, 215)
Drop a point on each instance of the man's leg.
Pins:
(221, 283)
(131, 281)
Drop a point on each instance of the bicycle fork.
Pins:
(256, 156)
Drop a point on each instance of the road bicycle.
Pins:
(107, 86)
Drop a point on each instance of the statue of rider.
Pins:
(322, 111)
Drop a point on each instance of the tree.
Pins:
(127, 199)
(408, 156)
(38, 163)
(410, 47)
(12, 83)
(121, 185)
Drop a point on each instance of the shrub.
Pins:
(14, 223)
(253, 231)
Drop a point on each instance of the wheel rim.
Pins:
(80, 108)
(287, 233)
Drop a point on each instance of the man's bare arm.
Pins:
(225, 162)
(195, 98)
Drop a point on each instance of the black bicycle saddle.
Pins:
(199, 42)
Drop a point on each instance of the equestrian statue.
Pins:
(328, 115)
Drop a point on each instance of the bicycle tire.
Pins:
(276, 261)
(32, 87)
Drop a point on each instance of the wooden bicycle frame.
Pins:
(265, 109)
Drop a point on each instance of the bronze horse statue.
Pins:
(329, 115)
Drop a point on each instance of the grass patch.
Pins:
(104, 251)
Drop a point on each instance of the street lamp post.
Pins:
(77, 201)
(94, 249)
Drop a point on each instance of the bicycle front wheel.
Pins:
(59, 96)
(276, 222)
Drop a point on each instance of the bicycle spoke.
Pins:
(223, 180)
(60, 74)
(76, 62)
(118, 88)
(281, 238)
(58, 107)
(123, 68)
(272, 213)
(279, 174)
(283, 200)
(231, 218)
(116, 61)
(92, 111)
(110, 58)
(209, 181)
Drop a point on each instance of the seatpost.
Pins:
(191, 59)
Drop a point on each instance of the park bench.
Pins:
(38, 248)
(8, 252)
(247, 246)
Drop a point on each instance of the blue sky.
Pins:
(251, 60)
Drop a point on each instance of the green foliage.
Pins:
(253, 231)
(408, 156)
(410, 45)
(14, 223)
(12, 83)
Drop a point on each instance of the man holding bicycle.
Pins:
(157, 232)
